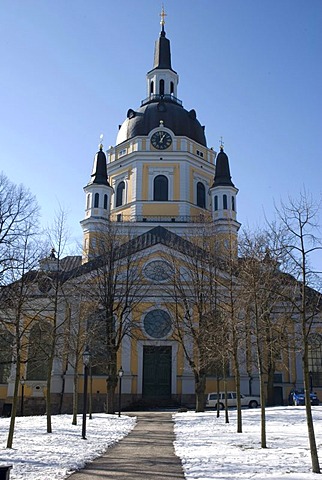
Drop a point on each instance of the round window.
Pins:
(158, 270)
(157, 323)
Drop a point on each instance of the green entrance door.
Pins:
(157, 372)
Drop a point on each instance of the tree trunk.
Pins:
(112, 384)
(239, 411)
(263, 411)
(270, 386)
(237, 382)
(309, 418)
(14, 408)
(200, 386)
(61, 396)
(48, 395)
(226, 401)
(218, 408)
(75, 398)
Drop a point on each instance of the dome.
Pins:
(173, 115)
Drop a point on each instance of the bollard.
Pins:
(5, 472)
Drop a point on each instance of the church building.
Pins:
(159, 181)
(157, 193)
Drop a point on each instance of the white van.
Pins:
(246, 401)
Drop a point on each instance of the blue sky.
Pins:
(252, 70)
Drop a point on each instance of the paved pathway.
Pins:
(147, 453)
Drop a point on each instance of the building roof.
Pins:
(172, 114)
(99, 172)
(222, 175)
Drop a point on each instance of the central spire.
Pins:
(162, 54)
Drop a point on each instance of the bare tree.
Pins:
(17, 208)
(298, 238)
(58, 236)
(232, 308)
(16, 316)
(267, 317)
(116, 290)
(193, 296)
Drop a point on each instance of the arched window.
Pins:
(120, 194)
(105, 202)
(101, 331)
(151, 87)
(233, 203)
(88, 198)
(96, 200)
(216, 202)
(315, 358)
(160, 188)
(171, 87)
(224, 200)
(201, 195)
(39, 345)
(161, 87)
(6, 342)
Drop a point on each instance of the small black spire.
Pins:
(99, 172)
(222, 175)
(162, 54)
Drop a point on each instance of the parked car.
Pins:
(246, 400)
(298, 398)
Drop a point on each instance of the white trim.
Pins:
(154, 172)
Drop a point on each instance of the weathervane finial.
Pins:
(100, 146)
(162, 15)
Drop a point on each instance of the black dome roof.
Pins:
(222, 175)
(173, 115)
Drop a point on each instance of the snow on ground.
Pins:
(37, 455)
(211, 449)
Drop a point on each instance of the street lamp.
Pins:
(120, 375)
(106, 406)
(86, 361)
(22, 383)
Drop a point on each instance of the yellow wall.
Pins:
(166, 208)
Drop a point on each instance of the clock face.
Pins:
(161, 140)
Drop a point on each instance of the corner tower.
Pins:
(223, 198)
(98, 194)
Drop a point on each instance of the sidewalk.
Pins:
(147, 453)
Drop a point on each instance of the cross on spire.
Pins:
(100, 145)
(162, 15)
(221, 143)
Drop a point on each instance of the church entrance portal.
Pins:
(157, 375)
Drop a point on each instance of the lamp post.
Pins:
(90, 393)
(86, 361)
(22, 383)
(120, 375)
(107, 380)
